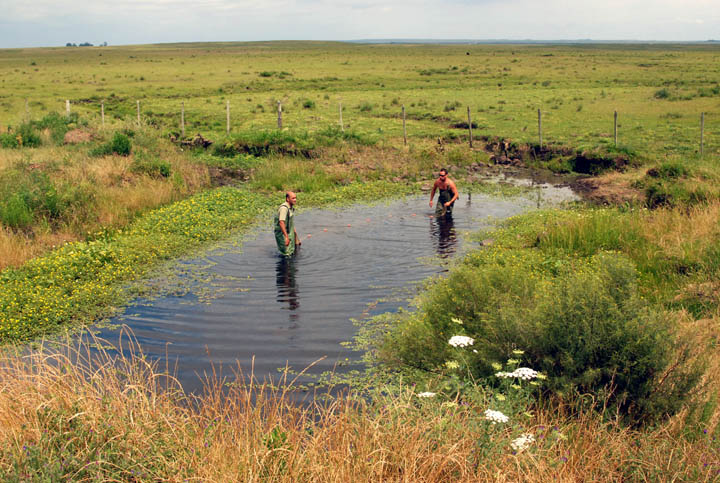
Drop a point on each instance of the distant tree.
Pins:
(70, 44)
(104, 44)
(86, 44)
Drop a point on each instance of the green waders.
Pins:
(289, 226)
(443, 197)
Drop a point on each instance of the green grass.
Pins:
(578, 88)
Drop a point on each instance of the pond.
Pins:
(245, 304)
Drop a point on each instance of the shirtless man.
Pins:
(448, 193)
(285, 234)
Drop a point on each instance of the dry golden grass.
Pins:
(118, 194)
(125, 419)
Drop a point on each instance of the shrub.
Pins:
(663, 93)
(308, 104)
(9, 140)
(15, 213)
(153, 167)
(365, 107)
(120, 144)
(580, 321)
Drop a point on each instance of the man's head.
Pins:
(442, 173)
(291, 198)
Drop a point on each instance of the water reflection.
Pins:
(287, 289)
(442, 227)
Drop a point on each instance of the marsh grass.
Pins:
(84, 411)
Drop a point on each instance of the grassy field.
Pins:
(658, 91)
(617, 308)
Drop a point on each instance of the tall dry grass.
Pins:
(117, 194)
(80, 414)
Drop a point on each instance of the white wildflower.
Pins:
(461, 341)
(426, 394)
(524, 373)
(495, 416)
(521, 443)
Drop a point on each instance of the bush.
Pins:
(580, 321)
(662, 94)
(9, 140)
(308, 104)
(120, 144)
(153, 167)
(27, 197)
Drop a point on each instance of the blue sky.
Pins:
(30, 23)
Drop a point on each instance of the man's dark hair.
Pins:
(443, 170)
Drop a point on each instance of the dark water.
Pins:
(249, 302)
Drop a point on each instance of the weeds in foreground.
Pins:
(79, 412)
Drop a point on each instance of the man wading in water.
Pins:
(448, 194)
(285, 234)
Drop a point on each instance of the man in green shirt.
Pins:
(285, 235)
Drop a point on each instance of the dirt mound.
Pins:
(78, 136)
(607, 190)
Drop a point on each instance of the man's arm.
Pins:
(432, 193)
(455, 193)
(297, 238)
(284, 231)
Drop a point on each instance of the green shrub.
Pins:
(365, 107)
(663, 93)
(308, 104)
(581, 322)
(151, 166)
(27, 136)
(120, 144)
(15, 213)
(9, 140)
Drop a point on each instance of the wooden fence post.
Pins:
(67, 107)
(342, 127)
(702, 133)
(404, 128)
(279, 112)
(102, 113)
(182, 119)
(540, 127)
(227, 117)
(615, 128)
(470, 126)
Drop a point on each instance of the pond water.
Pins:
(251, 306)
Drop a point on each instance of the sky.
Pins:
(35, 23)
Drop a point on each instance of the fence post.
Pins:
(342, 127)
(615, 128)
(540, 126)
(702, 133)
(469, 125)
(27, 110)
(404, 128)
(102, 113)
(182, 119)
(227, 117)
(67, 107)
(279, 115)
(138, 111)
